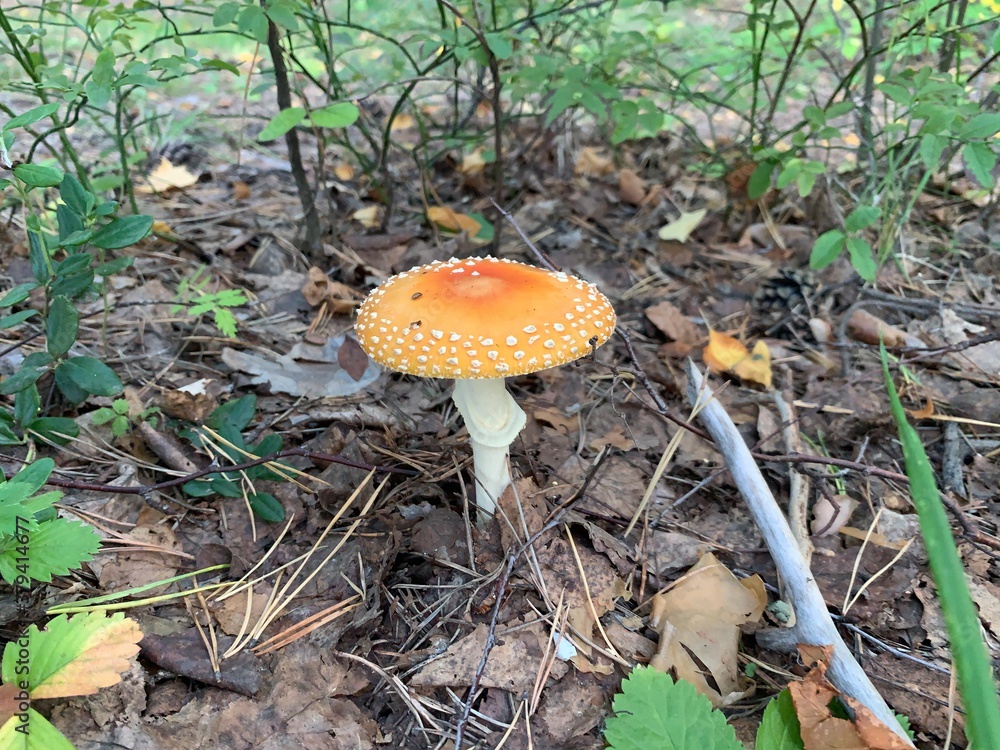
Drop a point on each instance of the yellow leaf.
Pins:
(344, 172)
(403, 122)
(161, 227)
(723, 351)
(166, 177)
(680, 229)
(367, 216)
(453, 221)
(472, 164)
(757, 367)
(80, 655)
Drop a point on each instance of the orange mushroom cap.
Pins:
(482, 318)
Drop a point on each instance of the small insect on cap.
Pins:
(482, 318)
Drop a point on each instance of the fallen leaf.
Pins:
(344, 172)
(453, 221)
(631, 187)
(723, 352)
(352, 358)
(472, 164)
(680, 228)
(319, 288)
(757, 367)
(87, 652)
(820, 729)
(831, 513)
(926, 412)
(161, 227)
(368, 216)
(866, 328)
(403, 122)
(241, 191)
(166, 177)
(699, 622)
(592, 163)
(673, 323)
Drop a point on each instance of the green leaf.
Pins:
(931, 148)
(338, 115)
(114, 266)
(17, 294)
(33, 476)
(92, 376)
(281, 123)
(981, 126)
(980, 159)
(31, 116)
(972, 661)
(38, 257)
(62, 326)
(500, 45)
(267, 508)
(225, 14)
(26, 405)
(35, 175)
(760, 181)
(861, 218)
(79, 200)
(58, 430)
(122, 232)
(15, 319)
(198, 488)
(73, 393)
(24, 377)
(862, 258)
(653, 711)
(225, 321)
(282, 15)
(827, 249)
(235, 414)
(779, 729)
(35, 733)
(102, 415)
(54, 548)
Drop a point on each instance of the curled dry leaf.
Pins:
(453, 221)
(726, 354)
(866, 328)
(369, 216)
(631, 187)
(699, 622)
(831, 513)
(319, 288)
(472, 164)
(673, 324)
(821, 730)
(592, 163)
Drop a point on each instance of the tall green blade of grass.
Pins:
(972, 663)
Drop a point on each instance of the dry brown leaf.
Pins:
(166, 177)
(820, 729)
(614, 437)
(593, 163)
(241, 191)
(673, 323)
(320, 288)
(403, 122)
(925, 413)
(555, 417)
(344, 172)
(631, 187)
(831, 513)
(699, 622)
(866, 328)
(453, 221)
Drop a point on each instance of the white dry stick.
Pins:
(798, 484)
(813, 625)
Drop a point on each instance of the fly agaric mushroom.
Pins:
(479, 321)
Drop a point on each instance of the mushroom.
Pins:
(479, 321)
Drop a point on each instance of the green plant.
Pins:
(976, 682)
(71, 656)
(36, 544)
(197, 302)
(228, 422)
(118, 415)
(654, 711)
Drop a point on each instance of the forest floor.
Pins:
(405, 593)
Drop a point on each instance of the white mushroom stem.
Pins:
(493, 419)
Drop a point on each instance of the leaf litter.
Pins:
(404, 606)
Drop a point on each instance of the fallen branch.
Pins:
(814, 625)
